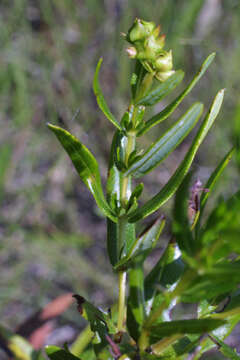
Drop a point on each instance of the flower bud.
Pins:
(148, 49)
(152, 47)
(132, 52)
(164, 61)
(162, 76)
(140, 30)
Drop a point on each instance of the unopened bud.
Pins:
(132, 52)
(162, 76)
(140, 30)
(164, 61)
(152, 48)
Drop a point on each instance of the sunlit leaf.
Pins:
(193, 326)
(170, 188)
(161, 148)
(162, 90)
(86, 166)
(100, 98)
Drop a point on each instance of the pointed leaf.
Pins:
(169, 189)
(86, 166)
(100, 98)
(159, 150)
(162, 90)
(213, 179)
(56, 353)
(164, 114)
(193, 326)
(143, 244)
(99, 321)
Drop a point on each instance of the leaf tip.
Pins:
(53, 128)
(99, 62)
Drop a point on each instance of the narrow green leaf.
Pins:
(213, 179)
(225, 349)
(135, 304)
(170, 188)
(56, 353)
(143, 244)
(193, 326)
(166, 272)
(99, 321)
(181, 225)
(214, 283)
(162, 90)
(159, 150)
(164, 114)
(86, 166)
(100, 98)
(136, 193)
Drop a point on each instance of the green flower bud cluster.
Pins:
(147, 47)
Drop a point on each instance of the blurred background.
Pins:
(52, 235)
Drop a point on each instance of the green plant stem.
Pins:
(145, 86)
(122, 278)
(82, 341)
(125, 186)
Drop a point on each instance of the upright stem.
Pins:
(122, 277)
(122, 230)
(125, 186)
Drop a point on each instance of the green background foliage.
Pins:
(52, 235)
